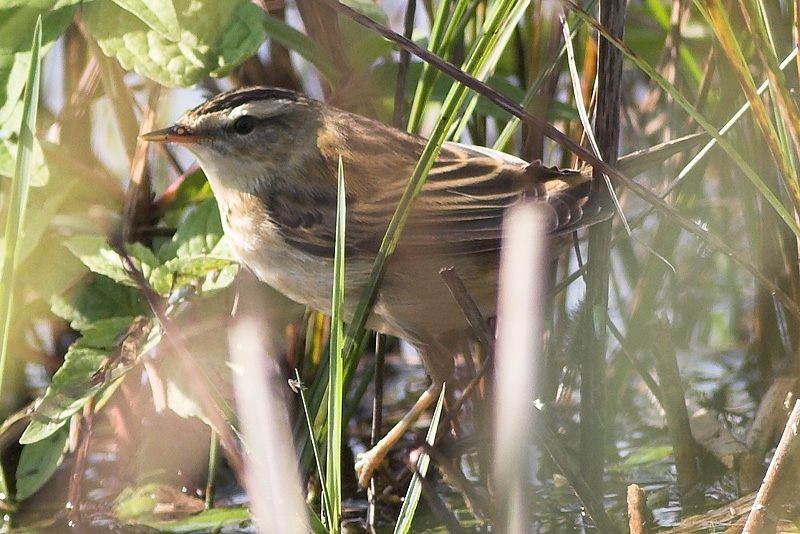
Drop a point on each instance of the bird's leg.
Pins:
(370, 460)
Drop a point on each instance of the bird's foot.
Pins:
(368, 462)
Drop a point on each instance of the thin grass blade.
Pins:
(18, 199)
(298, 386)
(333, 479)
(17, 204)
(414, 492)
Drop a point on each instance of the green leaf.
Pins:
(189, 191)
(181, 401)
(74, 383)
(16, 206)
(197, 252)
(17, 20)
(39, 461)
(649, 454)
(414, 493)
(71, 388)
(100, 298)
(177, 43)
(104, 334)
(40, 174)
(180, 272)
(135, 506)
(50, 269)
(199, 235)
(364, 46)
(95, 252)
(42, 207)
(333, 473)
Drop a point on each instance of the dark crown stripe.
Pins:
(237, 97)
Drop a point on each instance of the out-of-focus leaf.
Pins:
(190, 190)
(364, 47)
(177, 43)
(180, 272)
(39, 461)
(96, 254)
(181, 401)
(70, 390)
(150, 503)
(40, 213)
(301, 43)
(645, 455)
(74, 383)
(199, 234)
(101, 298)
(17, 20)
(152, 500)
(40, 174)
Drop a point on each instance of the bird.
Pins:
(272, 156)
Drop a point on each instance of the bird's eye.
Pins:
(244, 124)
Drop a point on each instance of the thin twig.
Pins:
(638, 513)
(563, 460)
(776, 491)
(674, 403)
(469, 308)
(402, 67)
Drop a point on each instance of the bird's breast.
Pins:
(257, 243)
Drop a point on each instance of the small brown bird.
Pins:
(271, 157)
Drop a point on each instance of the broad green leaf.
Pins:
(50, 270)
(198, 254)
(181, 401)
(100, 298)
(39, 461)
(104, 334)
(183, 271)
(152, 500)
(364, 46)
(177, 43)
(74, 383)
(42, 207)
(227, 519)
(199, 235)
(70, 390)
(100, 258)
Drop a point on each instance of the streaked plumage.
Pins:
(271, 157)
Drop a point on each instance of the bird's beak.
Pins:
(173, 134)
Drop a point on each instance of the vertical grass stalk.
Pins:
(18, 200)
(17, 203)
(333, 478)
(415, 488)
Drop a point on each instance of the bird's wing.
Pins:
(462, 205)
(459, 209)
